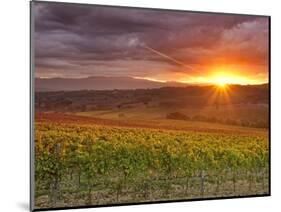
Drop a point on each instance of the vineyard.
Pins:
(95, 165)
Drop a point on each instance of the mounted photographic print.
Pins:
(134, 105)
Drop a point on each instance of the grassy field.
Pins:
(229, 111)
(156, 118)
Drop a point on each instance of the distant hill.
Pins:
(99, 83)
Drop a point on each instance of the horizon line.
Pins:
(151, 80)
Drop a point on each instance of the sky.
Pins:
(77, 41)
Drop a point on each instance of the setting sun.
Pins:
(221, 81)
(223, 78)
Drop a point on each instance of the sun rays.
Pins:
(219, 100)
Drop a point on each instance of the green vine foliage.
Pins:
(126, 159)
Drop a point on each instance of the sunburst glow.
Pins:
(223, 78)
(220, 82)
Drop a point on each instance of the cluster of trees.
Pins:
(175, 97)
(212, 119)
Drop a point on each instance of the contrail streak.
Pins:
(167, 57)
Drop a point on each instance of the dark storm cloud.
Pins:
(89, 40)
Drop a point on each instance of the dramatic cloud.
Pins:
(79, 41)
